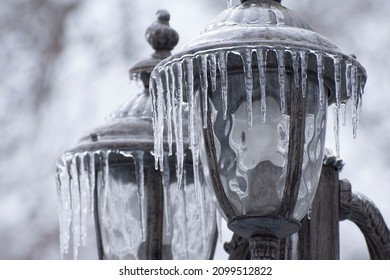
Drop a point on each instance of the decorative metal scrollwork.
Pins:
(363, 212)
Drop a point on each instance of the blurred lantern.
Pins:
(139, 212)
(257, 83)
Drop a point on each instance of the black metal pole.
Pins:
(154, 214)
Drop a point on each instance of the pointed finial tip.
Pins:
(163, 15)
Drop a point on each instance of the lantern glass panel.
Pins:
(188, 222)
(252, 158)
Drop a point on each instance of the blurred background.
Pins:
(64, 68)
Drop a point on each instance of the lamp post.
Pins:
(257, 84)
(139, 212)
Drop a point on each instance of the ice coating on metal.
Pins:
(336, 129)
(261, 60)
(199, 70)
(222, 64)
(167, 196)
(337, 78)
(75, 178)
(122, 206)
(355, 99)
(178, 124)
(247, 62)
(282, 78)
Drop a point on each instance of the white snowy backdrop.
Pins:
(63, 69)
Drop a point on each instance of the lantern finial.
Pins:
(161, 36)
(163, 39)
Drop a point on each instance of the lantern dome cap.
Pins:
(260, 22)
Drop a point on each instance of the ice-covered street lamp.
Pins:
(257, 83)
(241, 113)
(139, 212)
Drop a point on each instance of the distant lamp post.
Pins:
(139, 212)
(257, 83)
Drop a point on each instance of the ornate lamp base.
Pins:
(264, 248)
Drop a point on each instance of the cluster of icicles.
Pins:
(175, 102)
(77, 193)
(175, 81)
(84, 183)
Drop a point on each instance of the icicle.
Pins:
(202, 198)
(59, 174)
(222, 65)
(213, 71)
(179, 124)
(189, 88)
(247, 60)
(67, 204)
(358, 112)
(304, 57)
(139, 173)
(63, 193)
(261, 59)
(194, 147)
(343, 113)
(183, 207)
(229, 3)
(160, 124)
(282, 77)
(219, 224)
(75, 202)
(360, 98)
(155, 121)
(295, 63)
(336, 123)
(91, 181)
(320, 76)
(348, 68)
(172, 99)
(102, 183)
(168, 75)
(337, 75)
(203, 85)
(355, 88)
(85, 198)
(167, 195)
